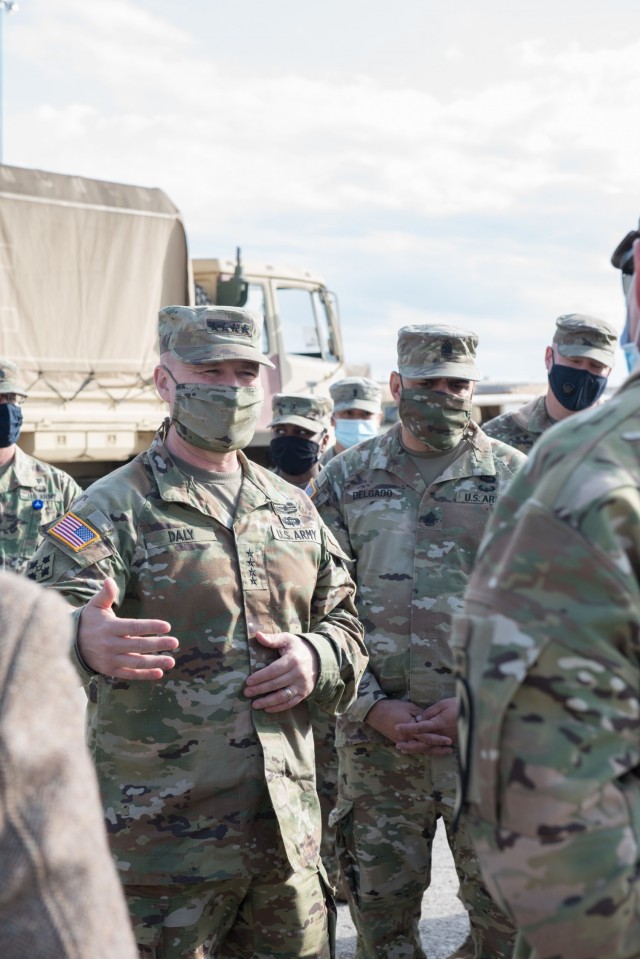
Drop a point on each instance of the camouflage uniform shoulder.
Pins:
(506, 455)
(520, 428)
(93, 527)
(30, 470)
(348, 467)
(603, 441)
(506, 458)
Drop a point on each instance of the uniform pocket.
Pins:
(342, 819)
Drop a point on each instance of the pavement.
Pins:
(444, 922)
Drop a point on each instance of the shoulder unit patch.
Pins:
(74, 532)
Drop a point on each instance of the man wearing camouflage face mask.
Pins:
(409, 507)
(202, 739)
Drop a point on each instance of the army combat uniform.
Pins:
(548, 652)
(414, 548)
(521, 428)
(312, 412)
(199, 789)
(576, 337)
(32, 494)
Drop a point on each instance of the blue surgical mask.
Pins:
(631, 356)
(10, 424)
(575, 389)
(351, 432)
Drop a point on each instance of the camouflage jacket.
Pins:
(32, 493)
(522, 428)
(548, 647)
(183, 761)
(414, 548)
(328, 455)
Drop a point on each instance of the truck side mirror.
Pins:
(234, 291)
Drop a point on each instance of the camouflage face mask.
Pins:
(217, 418)
(438, 420)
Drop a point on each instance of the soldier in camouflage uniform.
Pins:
(410, 507)
(578, 365)
(548, 654)
(300, 434)
(32, 493)
(202, 739)
(304, 421)
(357, 413)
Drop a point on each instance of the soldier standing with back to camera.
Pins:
(410, 507)
(548, 661)
(578, 365)
(202, 740)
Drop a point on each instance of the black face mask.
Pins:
(575, 389)
(10, 423)
(293, 454)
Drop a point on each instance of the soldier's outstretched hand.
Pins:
(289, 679)
(126, 648)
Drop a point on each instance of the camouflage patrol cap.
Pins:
(430, 351)
(311, 412)
(356, 393)
(9, 380)
(201, 334)
(580, 335)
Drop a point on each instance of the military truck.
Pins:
(85, 265)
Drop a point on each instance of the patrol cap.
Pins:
(356, 393)
(311, 412)
(9, 381)
(580, 335)
(200, 334)
(429, 351)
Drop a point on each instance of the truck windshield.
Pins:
(306, 327)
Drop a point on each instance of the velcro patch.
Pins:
(74, 532)
(306, 534)
(252, 571)
(475, 496)
(179, 534)
(40, 570)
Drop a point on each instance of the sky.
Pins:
(473, 163)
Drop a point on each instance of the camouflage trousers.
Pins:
(572, 897)
(241, 918)
(386, 818)
(324, 736)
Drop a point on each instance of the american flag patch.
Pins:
(74, 532)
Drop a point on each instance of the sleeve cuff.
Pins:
(82, 669)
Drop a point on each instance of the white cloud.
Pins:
(479, 183)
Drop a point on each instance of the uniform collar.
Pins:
(476, 460)
(21, 471)
(533, 416)
(175, 486)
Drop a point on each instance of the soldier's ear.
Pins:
(161, 379)
(548, 358)
(395, 385)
